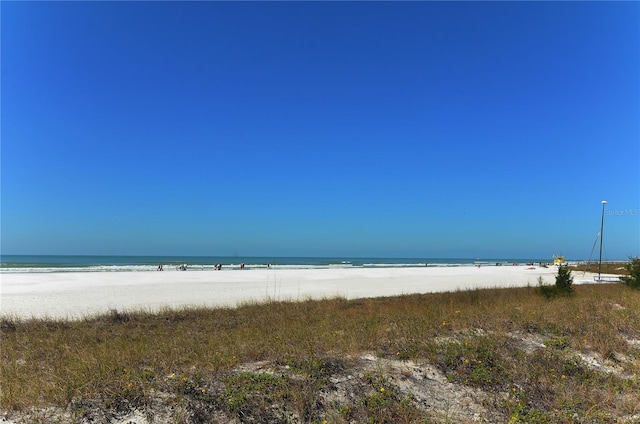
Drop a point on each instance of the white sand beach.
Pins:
(76, 295)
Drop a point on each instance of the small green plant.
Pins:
(633, 279)
(254, 394)
(315, 376)
(385, 404)
(475, 362)
(524, 414)
(194, 387)
(560, 342)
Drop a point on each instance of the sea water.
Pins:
(80, 263)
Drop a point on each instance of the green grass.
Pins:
(195, 357)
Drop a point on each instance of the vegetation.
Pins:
(564, 280)
(508, 355)
(633, 279)
(616, 268)
(563, 286)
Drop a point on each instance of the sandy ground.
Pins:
(80, 294)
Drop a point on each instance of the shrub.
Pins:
(563, 286)
(564, 280)
(633, 279)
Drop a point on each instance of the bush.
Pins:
(564, 280)
(563, 286)
(633, 279)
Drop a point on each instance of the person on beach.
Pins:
(160, 267)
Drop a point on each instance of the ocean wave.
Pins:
(209, 267)
(51, 264)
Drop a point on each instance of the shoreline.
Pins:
(77, 295)
(93, 263)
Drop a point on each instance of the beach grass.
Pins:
(609, 267)
(570, 359)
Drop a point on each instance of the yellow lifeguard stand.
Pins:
(558, 260)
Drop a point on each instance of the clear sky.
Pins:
(412, 129)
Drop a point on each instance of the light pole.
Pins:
(604, 202)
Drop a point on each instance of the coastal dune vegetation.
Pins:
(490, 355)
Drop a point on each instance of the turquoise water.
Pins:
(53, 263)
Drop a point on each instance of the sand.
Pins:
(75, 295)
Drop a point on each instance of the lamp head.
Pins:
(604, 202)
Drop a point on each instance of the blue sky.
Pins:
(412, 129)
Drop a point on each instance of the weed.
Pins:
(476, 361)
(253, 394)
(119, 317)
(527, 415)
(7, 325)
(559, 342)
(384, 404)
(316, 375)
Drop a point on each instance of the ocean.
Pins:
(80, 263)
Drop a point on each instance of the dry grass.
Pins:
(479, 339)
(615, 268)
